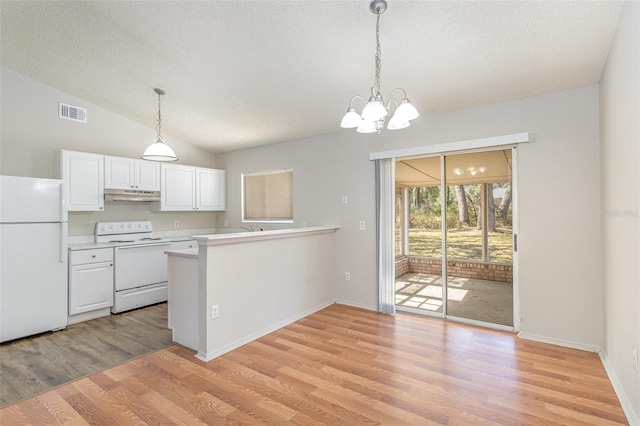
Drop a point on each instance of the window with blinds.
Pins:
(268, 196)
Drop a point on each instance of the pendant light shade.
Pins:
(396, 123)
(376, 111)
(351, 119)
(406, 111)
(366, 126)
(159, 151)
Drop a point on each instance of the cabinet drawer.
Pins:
(80, 257)
(182, 245)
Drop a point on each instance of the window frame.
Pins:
(244, 219)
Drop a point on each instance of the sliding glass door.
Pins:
(456, 225)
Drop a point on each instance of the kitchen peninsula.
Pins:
(237, 287)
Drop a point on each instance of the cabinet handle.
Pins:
(100, 208)
(111, 264)
(94, 256)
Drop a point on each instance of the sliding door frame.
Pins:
(465, 147)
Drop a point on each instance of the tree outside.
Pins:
(464, 217)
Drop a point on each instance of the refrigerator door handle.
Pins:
(64, 216)
(63, 241)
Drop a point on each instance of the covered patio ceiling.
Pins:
(464, 169)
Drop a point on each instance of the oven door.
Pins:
(140, 264)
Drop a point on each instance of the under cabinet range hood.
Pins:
(130, 195)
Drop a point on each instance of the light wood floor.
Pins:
(344, 365)
(35, 364)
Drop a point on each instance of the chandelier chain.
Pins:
(375, 111)
(376, 81)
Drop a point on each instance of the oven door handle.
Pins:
(143, 245)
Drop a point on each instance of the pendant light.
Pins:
(159, 151)
(375, 110)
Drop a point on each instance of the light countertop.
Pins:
(190, 253)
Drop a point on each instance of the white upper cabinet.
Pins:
(83, 174)
(178, 187)
(210, 189)
(188, 188)
(130, 173)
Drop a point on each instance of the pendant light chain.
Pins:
(159, 151)
(376, 81)
(159, 119)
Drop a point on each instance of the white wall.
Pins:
(32, 136)
(559, 201)
(620, 177)
(261, 285)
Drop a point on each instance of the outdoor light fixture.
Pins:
(159, 151)
(375, 110)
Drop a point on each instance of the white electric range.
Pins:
(140, 263)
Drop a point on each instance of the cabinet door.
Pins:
(210, 189)
(90, 287)
(147, 175)
(119, 173)
(83, 174)
(178, 187)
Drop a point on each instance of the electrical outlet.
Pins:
(214, 311)
(635, 358)
(345, 199)
(303, 224)
(347, 276)
(226, 223)
(362, 225)
(176, 224)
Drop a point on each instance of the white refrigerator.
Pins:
(33, 256)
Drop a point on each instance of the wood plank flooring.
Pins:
(33, 365)
(343, 366)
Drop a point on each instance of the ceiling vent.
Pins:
(71, 112)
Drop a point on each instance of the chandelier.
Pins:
(375, 111)
(159, 151)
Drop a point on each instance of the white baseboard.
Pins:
(86, 316)
(206, 357)
(559, 342)
(357, 305)
(625, 402)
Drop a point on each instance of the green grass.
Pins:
(463, 243)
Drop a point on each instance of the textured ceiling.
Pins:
(461, 169)
(245, 73)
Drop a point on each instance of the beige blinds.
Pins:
(268, 196)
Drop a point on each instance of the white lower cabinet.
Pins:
(90, 280)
